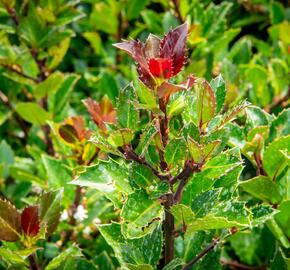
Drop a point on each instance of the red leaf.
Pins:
(152, 46)
(137, 51)
(30, 220)
(160, 67)
(79, 127)
(166, 88)
(173, 46)
(102, 112)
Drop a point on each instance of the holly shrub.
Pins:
(144, 135)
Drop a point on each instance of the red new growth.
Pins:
(160, 67)
(162, 58)
(30, 221)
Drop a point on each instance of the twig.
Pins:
(189, 168)
(46, 130)
(33, 263)
(238, 266)
(130, 154)
(279, 102)
(12, 14)
(201, 254)
(177, 10)
(168, 230)
(20, 73)
(260, 167)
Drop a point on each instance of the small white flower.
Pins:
(87, 230)
(151, 188)
(64, 215)
(97, 221)
(81, 213)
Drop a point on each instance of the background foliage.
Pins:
(53, 54)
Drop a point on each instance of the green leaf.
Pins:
(222, 170)
(95, 41)
(49, 210)
(231, 114)
(219, 87)
(104, 261)
(128, 116)
(263, 188)
(261, 213)
(49, 86)
(140, 251)
(141, 175)
(68, 15)
(107, 177)
(175, 152)
(257, 75)
(32, 113)
(280, 126)
(139, 209)
(274, 160)
(104, 16)
(57, 53)
(146, 138)
(175, 106)
(201, 153)
(201, 104)
(10, 228)
(58, 176)
(133, 231)
(256, 117)
(70, 252)
(276, 12)
(103, 144)
(120, 137)
(146, 95)
(173, 264)
(58, 101)
(278, 232)
(134, 7)
(6, 157)
(208, 222)
(24, 175)
(12, 257)
(139, 267)
(283, 217)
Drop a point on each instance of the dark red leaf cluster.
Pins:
(30, 223)
(158, 58)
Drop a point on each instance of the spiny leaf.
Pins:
(50, 207)
(140, 209)
(263, 188)
(128, 116)
(10, 222)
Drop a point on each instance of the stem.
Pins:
(33, 263)
(163, 123)
(130, 154)
(260, 167)
(188, 170)
(177, 10)
(20, 73)
(169, 230)
(168, 223)
(238, 266)
(201, 254)
(12, 14)
(46, 131)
